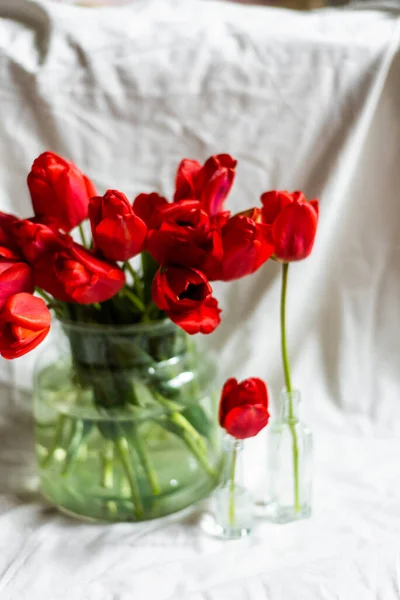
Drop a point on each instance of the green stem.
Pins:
(288, 383)
(134, 299)
(81, 432)
(83, 236)
(190, 435)
(199, 454)
(51, 302)
(107, 457)
(285, 357)
(57, 441)
(45, 296)
(147, 465)
(232, 515)
(122, 448)
(136, 280)
(179, 420)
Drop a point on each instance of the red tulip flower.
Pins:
(24, 323)
(15, 277)
(293, 223)
(35, 239)
(60, 192)
(117, 231)
(8, 247)
(243, 409)
(73, 274)
(210, 183)
(149, 208)
(186, 236)
(186, 296)
(246, 244)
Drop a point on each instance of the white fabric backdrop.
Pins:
(302, 100)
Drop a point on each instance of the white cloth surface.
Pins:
(302, 100)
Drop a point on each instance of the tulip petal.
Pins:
(12, 349)
(246, 421)
(26, 311)
(204, 319)
(14, 278)
(229, 387)
(315, 205)
(186, 175)
(273, 202)
(102, 281)
(294, 232)
(148, 207)
(246, 246)
(120, 238)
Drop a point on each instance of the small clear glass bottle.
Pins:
(290, 448)
(233, 503)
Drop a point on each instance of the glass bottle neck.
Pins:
(290, 403)
(233, 467)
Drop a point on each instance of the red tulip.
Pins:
(210, 183)
(294, 223)
(149, 208)
(60, 192)
(243, 409)
(65, 269)
(246, 245)
(186, 236)
(8, 247)
(35, 239)
(117, 231)
(73, 274)
(15, 277)
(186, 296)
(24, 323)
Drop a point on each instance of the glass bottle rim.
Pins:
(295, 394)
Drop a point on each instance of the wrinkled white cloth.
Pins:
(302, 100)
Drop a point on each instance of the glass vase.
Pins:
(233, 503)
(125, 418)
(289, 477)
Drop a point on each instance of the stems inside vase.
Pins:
(107, 459)
(288, 383)
(123, 451)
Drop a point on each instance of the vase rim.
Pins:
(163, 326)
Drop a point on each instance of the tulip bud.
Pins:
(60, 192)
(243, 410)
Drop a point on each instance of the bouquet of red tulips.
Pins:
(179, 248)
(184, 245)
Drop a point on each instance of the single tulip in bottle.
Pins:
(243, 414)
(293, 221)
